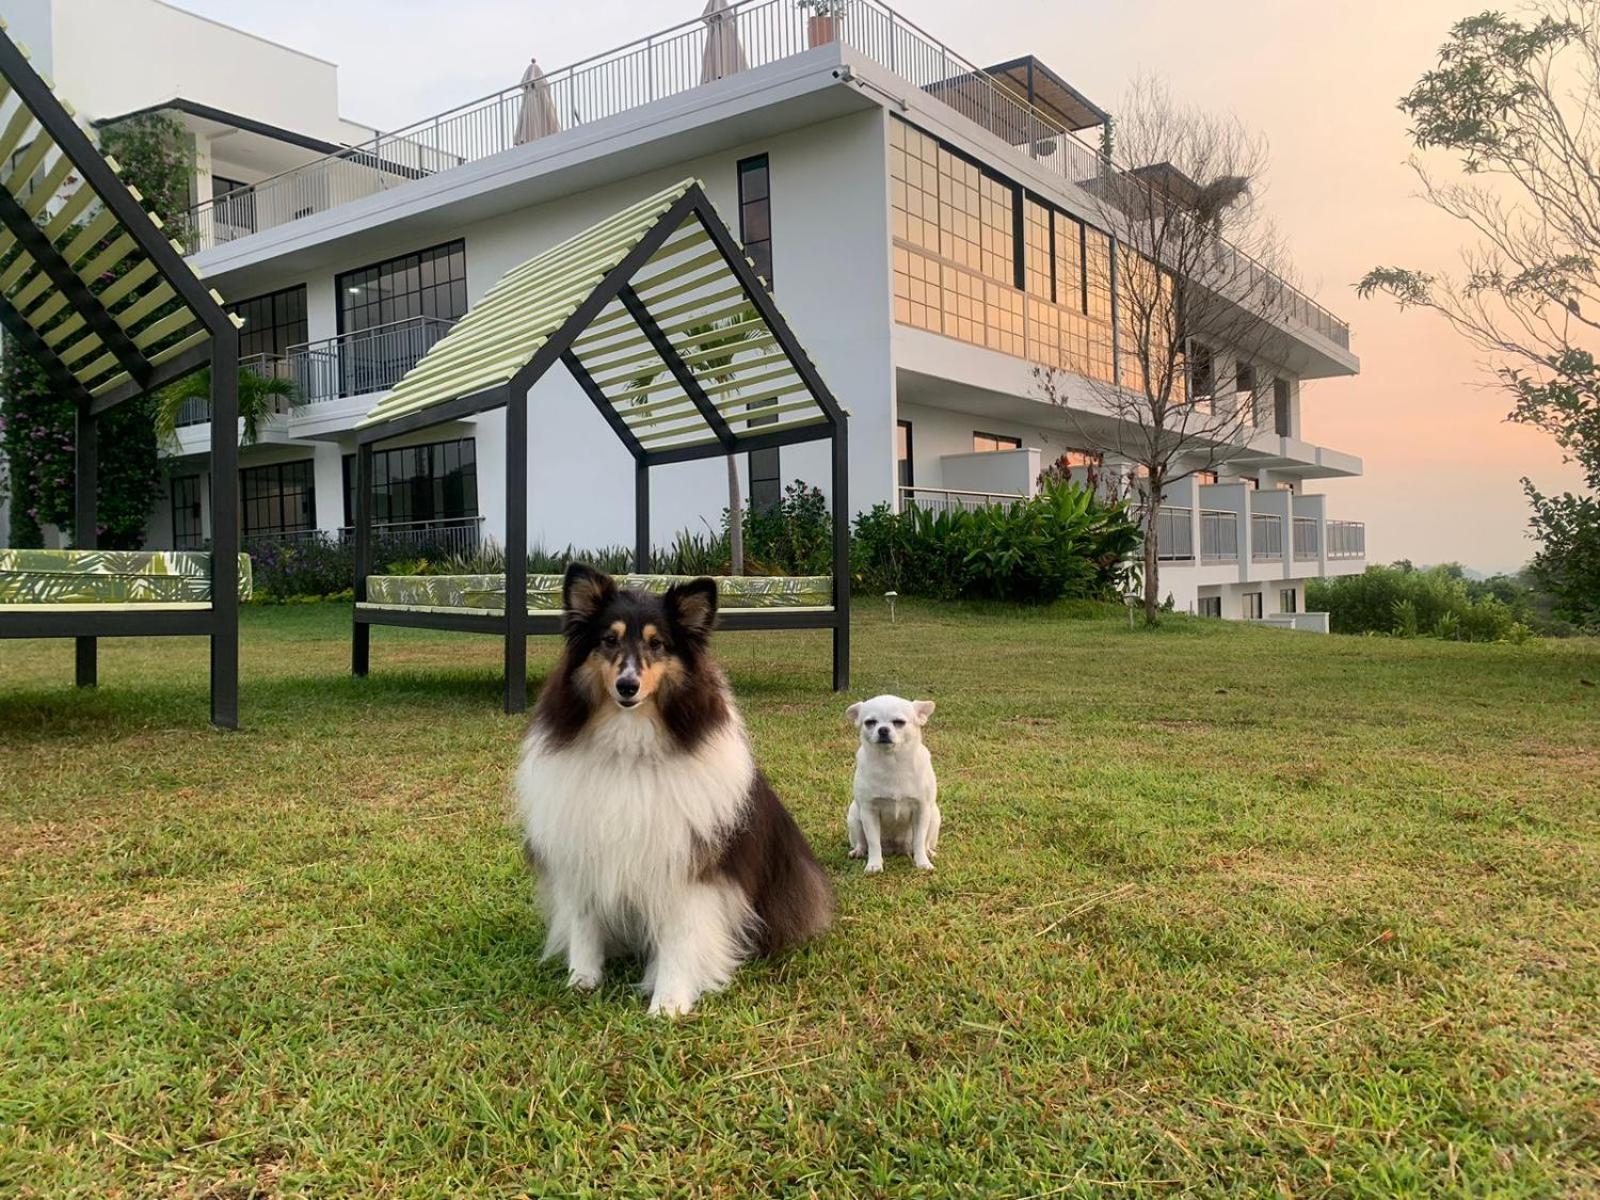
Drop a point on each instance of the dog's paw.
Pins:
(671, 1005)
(857, 852)
(583, 981)
(874, 868)
(923, 864)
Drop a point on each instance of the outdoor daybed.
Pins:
(662, 322)
(105, 305)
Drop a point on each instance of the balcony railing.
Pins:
(1347, 539)
(1219, 536)
(1306, 542)
(1266, 537)
(366, 361)
(667, 64)
(445, 535)
(940, 500)
(197, 411)
(1175, 535)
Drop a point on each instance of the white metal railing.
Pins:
(670, 63)
(1219, 536)
(1347, 539)
(951, 499)
(1175, 535)
(1306, 543)
(1266, 537)
(449, 535)
(197, 411)
(365, 361)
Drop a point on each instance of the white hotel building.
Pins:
(894, 195)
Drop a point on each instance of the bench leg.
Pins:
(88, 661)
(225, 677)
(360, 650)
(516, 687)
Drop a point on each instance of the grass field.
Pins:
(1219, 910)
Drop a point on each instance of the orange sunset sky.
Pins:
(1318, 79)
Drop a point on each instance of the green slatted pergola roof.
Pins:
(660, 318)
(90, 286)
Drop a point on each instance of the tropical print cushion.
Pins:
(544, 591)
(110, 577)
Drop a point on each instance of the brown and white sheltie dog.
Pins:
(642, 808)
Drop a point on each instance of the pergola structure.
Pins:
(665, 326)
(104, 303)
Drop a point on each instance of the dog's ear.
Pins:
(853, 714)
(923, 709)
(585, 592)
(692, 608)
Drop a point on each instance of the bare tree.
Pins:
(1199, 296)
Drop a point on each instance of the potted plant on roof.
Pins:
(823, 25)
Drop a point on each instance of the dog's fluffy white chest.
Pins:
(625, 810)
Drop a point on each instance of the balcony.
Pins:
(442, 536)
(363, 362)
(1266, 537)
(1175, 535)
(670, 63)
(942, 500)
(1219, 536)
(352, 364)
(1347, 539)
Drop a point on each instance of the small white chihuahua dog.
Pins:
(896, 804)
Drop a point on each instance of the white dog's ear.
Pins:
(924, 710)
(853, 714)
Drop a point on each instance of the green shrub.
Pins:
(1435, 602)
(1063, 542)
(795, 538)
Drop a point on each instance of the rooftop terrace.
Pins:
(1021, 103)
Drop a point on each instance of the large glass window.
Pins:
(430, 283)
(187, 532)
(233, 207)
(983, 443)
(272, 323)
(755, 231)
(435, 482)
(755, 213)
(277, 499)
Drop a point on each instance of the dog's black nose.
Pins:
(883, 734)
(627, 687)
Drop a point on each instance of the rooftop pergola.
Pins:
(104, 303)
(661, 320)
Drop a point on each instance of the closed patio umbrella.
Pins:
(537, 117)
(724, 55)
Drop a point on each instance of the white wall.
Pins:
(113, 56)
(831, 266)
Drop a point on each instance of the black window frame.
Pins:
(302, 473)
(183, 536)
(454, 285)
(764, 467)
(282, 319)
(905, 468)
(1209, 607)
(1288, 600)
(383, 464)
(1254, 606)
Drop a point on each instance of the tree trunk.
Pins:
(735, 518)
(1157, 485)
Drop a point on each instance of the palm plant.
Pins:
(260, 397)
(711, 346)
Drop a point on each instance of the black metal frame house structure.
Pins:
(106, 305)
(665, 326)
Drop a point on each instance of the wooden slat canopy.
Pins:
(102, 300)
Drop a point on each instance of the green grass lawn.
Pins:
(1218, 910)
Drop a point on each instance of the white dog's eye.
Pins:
(870, 722)
(899, 722)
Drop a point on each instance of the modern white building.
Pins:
(921, 223)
